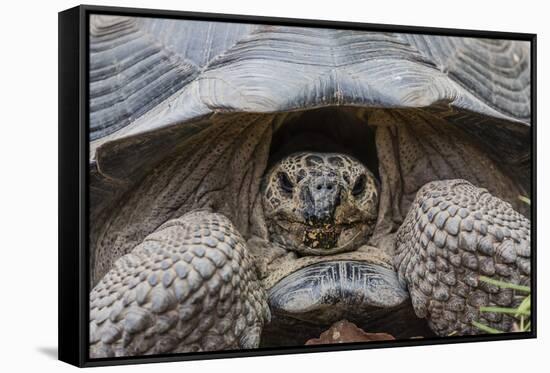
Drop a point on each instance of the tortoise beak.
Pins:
(321, 198)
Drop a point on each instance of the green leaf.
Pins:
(486, 328)
(505, 285)
(524, 199)
(512, 311)
(525, 306)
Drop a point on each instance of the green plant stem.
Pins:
(505, 285)
(512, 311)
(486, 328)
(521, 323)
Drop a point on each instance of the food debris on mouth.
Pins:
(321, 236)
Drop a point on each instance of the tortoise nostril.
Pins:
(329, 187)
(319, 187)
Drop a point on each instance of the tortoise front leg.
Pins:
(453, 234)
(189, 286)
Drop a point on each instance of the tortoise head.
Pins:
(320, 203)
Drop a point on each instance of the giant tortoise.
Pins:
(251, 184)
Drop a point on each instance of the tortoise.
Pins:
(252, 184)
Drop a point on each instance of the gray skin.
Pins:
(194, 284)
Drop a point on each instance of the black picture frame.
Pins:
(74, 182)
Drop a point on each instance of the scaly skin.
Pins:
(189, 286)
(454, 233)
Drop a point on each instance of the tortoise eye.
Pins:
(285, 182)
(359, 186)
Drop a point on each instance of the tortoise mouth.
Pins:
(321, 239)
(329, 291)
(322, 236)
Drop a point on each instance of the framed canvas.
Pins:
(234, 186)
